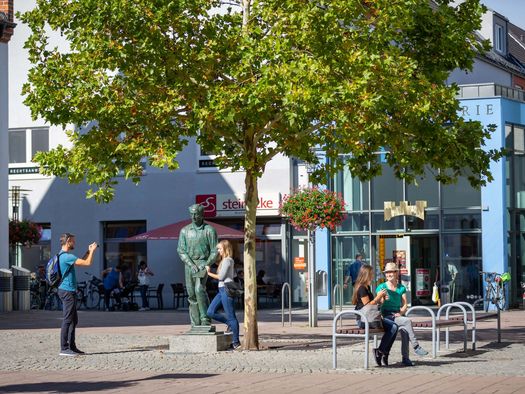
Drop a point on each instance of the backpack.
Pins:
(53, 274)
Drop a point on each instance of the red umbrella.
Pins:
(172, 231)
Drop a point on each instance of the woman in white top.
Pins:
(225, 274)
(143, 277)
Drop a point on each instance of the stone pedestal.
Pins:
(200, 339)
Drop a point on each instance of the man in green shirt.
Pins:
(197, 249)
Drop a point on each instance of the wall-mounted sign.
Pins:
(404, 208)
(233, 205)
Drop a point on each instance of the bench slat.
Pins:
(360, 331)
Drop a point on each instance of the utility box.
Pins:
(6, 290)
(21, 289)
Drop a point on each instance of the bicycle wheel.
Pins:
(93, 299)
(488, 298)
(35, 301)
(80, 299)
(500, 298)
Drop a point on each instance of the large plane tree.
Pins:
(252, 79)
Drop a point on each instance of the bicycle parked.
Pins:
(88, 293)
(52, 302)
(495, 289)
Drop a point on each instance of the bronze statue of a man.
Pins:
(197, 249)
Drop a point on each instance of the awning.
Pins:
(172, 231)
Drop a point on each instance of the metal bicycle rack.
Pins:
(337, 290)
(286, 285)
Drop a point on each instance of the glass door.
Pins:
(424, 259)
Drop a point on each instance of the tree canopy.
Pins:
(251, 79)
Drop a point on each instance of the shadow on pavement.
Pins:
(87, 386)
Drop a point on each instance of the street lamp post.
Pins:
(312, 288)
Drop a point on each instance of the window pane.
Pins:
(123, 229)
(386, 187)
(17, 146)
(355, 222)
(353, 191)
(462, 245)
(39, 141)
(431, 222)
(427, 189)
(379, 223)
(461, 194)
(462, 221)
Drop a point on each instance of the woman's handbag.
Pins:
(372, 315)
(233, 289)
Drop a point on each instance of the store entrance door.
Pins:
(393, 248)
(424, 260)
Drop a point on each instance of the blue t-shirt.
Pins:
(394, 302)
(69, 282)
(111, 281)
(353, 270)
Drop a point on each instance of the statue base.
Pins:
(200, 339)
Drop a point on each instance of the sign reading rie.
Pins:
(232, 205)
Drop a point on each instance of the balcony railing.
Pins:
(490, 90)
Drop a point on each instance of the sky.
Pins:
(514, 10)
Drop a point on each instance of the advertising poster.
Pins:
(400, 258)
(423, 282)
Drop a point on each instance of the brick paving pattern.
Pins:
(128, 351)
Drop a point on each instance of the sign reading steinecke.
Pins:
(233, 205)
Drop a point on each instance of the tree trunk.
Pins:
(251, 332)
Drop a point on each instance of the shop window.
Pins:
(462, 221)
(431, 222)
(118, 251)
(462, 245)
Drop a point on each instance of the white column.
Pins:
(4, 160)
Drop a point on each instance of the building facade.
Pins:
(458, 231)
(6, 31)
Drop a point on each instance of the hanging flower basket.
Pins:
(311, 208)
(24, 232)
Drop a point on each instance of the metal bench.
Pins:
(353, 332)
(436, 323)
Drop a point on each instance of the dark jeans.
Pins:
(230, 319)
(388, 337)
(107, 296)
(69, 319)
(143, 294)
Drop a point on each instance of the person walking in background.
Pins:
(363, 296)
(143, 278)
(394, 307)
(353, 270)
(113, 282)
(67, 292)
(225, 274)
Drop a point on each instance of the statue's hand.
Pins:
(194, 269)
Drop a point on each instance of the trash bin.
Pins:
(21, 289)
(6, 296)
(445, 294)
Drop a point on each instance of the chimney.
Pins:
(6, 20)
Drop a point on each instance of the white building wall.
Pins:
(4, 154)
(483, 72)
(161, 198)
